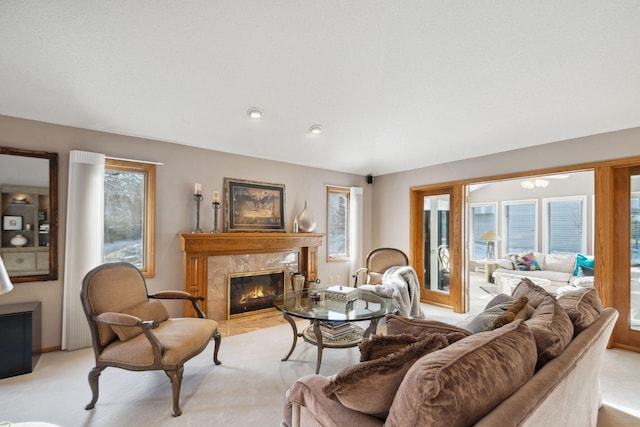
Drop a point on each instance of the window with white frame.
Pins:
(564, 225)
(338, 223)
(520, 226)
(484, 217)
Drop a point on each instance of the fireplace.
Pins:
(253, 292)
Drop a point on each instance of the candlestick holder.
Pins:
(216, 208)
(198, 199)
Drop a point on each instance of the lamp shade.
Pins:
(490, 235)
(5, 283)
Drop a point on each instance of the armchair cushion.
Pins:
(370, 387)
(149, 310)
(138, 352)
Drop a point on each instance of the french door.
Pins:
(435, 245)
(626, 271)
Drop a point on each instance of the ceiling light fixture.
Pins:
(532, 183)
(254, 113)
(315, 129)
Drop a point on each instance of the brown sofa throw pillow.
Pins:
(458, 385)
(504, 298)
(551, 328)
(378, 346)
(149, 310)
(397, 325)
(526, 288)
(499, 315)
(370, 387)
(583, 307)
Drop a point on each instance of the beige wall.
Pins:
(175, 210)
(391, 192)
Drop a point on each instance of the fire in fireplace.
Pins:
(253, 292)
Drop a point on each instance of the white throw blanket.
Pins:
(401, 284)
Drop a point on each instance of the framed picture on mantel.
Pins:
(253, 206)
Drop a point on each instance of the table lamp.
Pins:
(490, 236)
(5, 283)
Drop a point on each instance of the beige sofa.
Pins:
(556, 271)
(563, 391)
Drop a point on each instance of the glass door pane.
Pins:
(436, 243)
(634, 313)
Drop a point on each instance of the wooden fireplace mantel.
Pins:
(198, 247)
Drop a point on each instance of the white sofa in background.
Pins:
(556, 271)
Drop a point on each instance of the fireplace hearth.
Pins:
(253, 292)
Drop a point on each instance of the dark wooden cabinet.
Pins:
(20, 338)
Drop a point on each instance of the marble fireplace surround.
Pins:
(209, 258)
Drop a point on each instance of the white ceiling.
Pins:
(396, 84)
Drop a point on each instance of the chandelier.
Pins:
(532, 183)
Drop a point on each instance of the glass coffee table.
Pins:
(323, 313)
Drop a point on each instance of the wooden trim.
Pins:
(149, 239)
(198, 247)
(455, 299)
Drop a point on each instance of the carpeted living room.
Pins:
(362, 213)
(247, 389)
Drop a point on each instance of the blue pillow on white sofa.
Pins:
(583, 261)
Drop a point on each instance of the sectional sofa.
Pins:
(541, 368)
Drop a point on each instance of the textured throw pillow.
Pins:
(535, 294)
(370, 387)
(525, 262)
(499, 315)
(149, 310)
(504, 298)
(397, 325)
(552, 329)
(378, 346)
(583, 306)
(458, 385)
(586, 263)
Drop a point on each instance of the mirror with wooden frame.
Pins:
(29, 210)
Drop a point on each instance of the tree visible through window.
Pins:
(337, 224)
(129, 213)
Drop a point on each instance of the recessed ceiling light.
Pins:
(254, 113)
(315, 129)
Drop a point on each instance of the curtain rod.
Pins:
(138, 161)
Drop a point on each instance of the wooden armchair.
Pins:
(132, 330)
(378, 261)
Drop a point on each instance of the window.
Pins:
(483, 218)
(564, 225)
(129, 214)
(520, 226)
(337, 223)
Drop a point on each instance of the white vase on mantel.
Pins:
(306, 220)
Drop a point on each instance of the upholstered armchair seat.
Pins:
(170, 333)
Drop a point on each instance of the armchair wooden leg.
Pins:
(217, 338)
(94, 376)
(176, 383)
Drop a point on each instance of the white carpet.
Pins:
(245, 390)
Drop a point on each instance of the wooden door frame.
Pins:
(609, 277)
(623, 335)
(455, 298)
